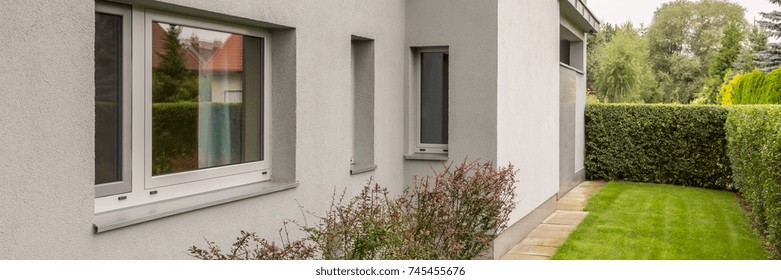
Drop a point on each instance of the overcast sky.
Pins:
(619, 11)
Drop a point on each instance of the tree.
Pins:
(723, 61)
(172, 81)
(756, 43)
(596, 41)
(623, 73)
(683, 39)
(770, 58)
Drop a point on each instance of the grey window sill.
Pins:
(428, 157)
(138, 214)
(358, 168)
(576, 70)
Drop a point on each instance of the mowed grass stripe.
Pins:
(636, 221)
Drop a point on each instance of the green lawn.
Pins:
(637, 221)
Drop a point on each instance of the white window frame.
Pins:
(124, 185)
(227, 93)
(425, 148)
(146, 188)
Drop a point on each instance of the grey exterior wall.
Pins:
(528, 102)
(572, 102)
(504, 107)
(47, 191)
(468, 29)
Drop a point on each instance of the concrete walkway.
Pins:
(542, 242)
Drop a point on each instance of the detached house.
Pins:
(145, 126)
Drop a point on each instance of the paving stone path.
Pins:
(542, 242)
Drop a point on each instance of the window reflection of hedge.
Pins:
(108, 146)
(175, 133)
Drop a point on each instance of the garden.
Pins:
(725, 155)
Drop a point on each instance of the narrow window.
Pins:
(433, 101)
(112, 124)
(362, 158)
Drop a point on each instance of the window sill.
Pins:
(135, 215)
(358, 168)
(428, 157)
(567, 66)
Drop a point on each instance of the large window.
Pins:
(432, 100)
(181, 106)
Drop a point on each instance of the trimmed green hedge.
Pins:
(754, 137)
(175, 133)
(668, 144)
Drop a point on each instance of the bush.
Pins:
(771, 91)
(752, 88)
(754, 148)
(452, 215)
(668, 144)
(749, 88)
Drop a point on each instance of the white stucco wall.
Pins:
(528, 98)
(468, 28)
(47, 192)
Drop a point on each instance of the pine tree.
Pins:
(770, 59)
(170, 78)
(722, 62)
(756, 43)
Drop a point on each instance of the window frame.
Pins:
(146, 188)
(425, 148)
(125, 184)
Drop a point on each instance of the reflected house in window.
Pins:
(225, 71)
(207, 80)
(191, 53)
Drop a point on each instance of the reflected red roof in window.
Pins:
(228, 57)
(191, 61)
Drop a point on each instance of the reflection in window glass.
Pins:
(206, 94)
(108, 98)
(433, 97)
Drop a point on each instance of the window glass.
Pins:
(433, 97)
(564, 49)
(108, 98)
(206, 98)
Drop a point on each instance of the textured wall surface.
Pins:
(468, 29)
(503, 107)
(528, 98)
(47, 191)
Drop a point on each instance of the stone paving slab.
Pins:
(549, 233)
(562, 217)
(557, 227)
(546, 251)
(511, 256)
(542, 242)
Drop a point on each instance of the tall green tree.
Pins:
(623, 73)
(683, 39)
(595, 42)
(724, 60)
(754, 45)
(770, 59)
(171, 81)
